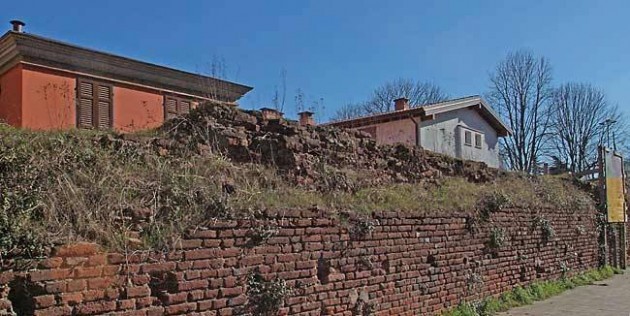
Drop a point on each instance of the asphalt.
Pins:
(610, 297)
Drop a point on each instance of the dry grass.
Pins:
(57, 187)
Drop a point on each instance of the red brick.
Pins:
(126, 304)
(200, 254)
(87, 272)
(51, 263)
(80, 249)
(71, 298)
(137, 291)
(99, 283)
(55, 287)
(228, 292)
(47, 275)
(180, 308)
(44, 301)
(155, 311)
(174, 298)
(91, 308)
(97, 260)
(54, 311)
(76, 285)
(158, 267)
(74, 261)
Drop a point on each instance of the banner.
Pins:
(613, 173)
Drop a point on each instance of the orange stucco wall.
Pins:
(11, 96)
(48, 99)
(400, 131)
(136, 109)
(43, 99)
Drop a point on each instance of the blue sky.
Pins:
(341, 50)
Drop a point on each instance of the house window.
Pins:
(478, 141)
(467, 138)
(94, 104)
(175, 106)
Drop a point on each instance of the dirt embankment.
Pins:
(322, 158)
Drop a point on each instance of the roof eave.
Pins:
(47, 52)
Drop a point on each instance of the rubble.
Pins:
(315, 157)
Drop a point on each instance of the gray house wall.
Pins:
(445, 134)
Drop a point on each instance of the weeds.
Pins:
(492, 203)
(266, 297)
(498, 238)
(548, 233)
(59, 187)
(527, 295)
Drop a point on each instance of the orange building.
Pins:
(47, 85)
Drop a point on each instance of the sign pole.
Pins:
(602, 194)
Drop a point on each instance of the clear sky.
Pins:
(341, 50)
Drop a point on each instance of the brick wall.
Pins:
(387, 264)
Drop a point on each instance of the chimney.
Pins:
(271, 114)
(17, 26)
(401, 104)
(306, 118)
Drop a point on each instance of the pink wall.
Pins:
(48, 101)
(402, 131)
(137, 109)
(11, 96)
(43, 99)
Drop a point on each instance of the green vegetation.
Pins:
(59, 187)
(266, 297)
(526, 295)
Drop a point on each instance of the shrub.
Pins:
(266, 297)
(498, 238)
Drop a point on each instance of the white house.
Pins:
(466, 128)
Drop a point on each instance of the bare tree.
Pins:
(418, 93)
(349, 111)
(300, 100)
(579, 114)
(381, 100)
(520, 88)
(280, 93)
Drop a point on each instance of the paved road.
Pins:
(605, 298)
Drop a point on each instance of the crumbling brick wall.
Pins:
(383, 264)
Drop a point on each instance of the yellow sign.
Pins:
(614, 175)
(614, 200)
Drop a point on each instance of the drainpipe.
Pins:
(418, 131)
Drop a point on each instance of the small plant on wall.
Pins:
(498, 238)
(266, 297)
(362, 228)
(547, 231)
(261, 233)
(492, 203)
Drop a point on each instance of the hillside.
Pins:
(146, 190)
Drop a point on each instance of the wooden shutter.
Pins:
(94, 105)
(85, 109)
(104, 108)
(174, 106)
(184, 107)
(170, 108)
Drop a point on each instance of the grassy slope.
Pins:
(62, 186)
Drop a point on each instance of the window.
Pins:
(174, 106)
(467, 138)
(94, 104)
(478, 141)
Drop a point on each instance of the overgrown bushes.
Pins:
(58, 187)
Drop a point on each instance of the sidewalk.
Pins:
(605, 298)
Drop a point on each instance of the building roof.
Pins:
(20, 47)
(429, 111)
